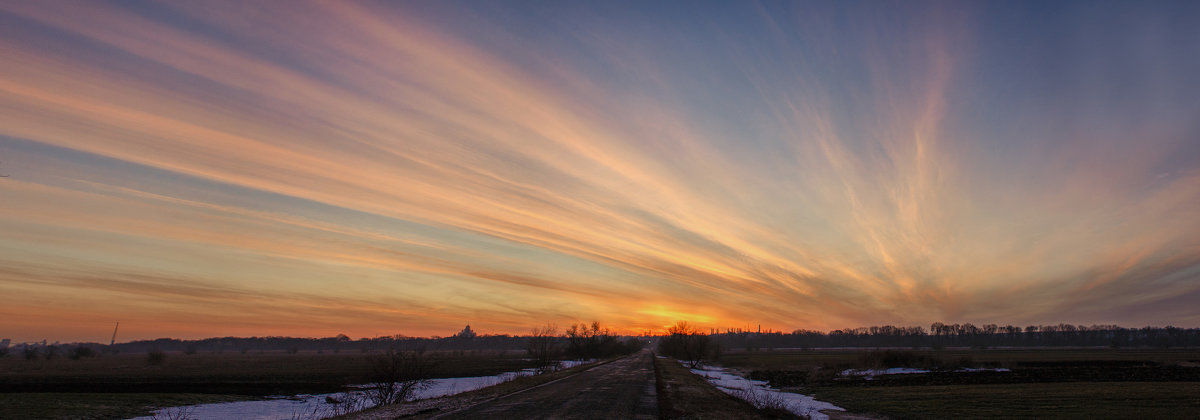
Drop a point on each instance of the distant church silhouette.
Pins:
(465, 333)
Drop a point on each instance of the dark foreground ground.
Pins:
(623, 389)
(128, 385)
(1064, 400)
(1039, 383)
(684, 395)
(635, 387)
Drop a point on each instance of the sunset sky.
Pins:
(201, 168)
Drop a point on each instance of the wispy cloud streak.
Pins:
(418, 167)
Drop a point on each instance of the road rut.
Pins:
(623, 389)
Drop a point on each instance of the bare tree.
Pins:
(541, 346)
(398, 375)
(592, 341)
(685, 343)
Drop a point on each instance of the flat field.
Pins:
(72, 405)
(123, 385)
(1060, 400)
(848, 359)
(1039, 383)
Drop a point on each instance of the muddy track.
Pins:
(622, 389)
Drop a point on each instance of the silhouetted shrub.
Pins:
(541, 347)
(592, 341)
(687, 344)
(397, 375)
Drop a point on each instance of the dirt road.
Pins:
(623, 389)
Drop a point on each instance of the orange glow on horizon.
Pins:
(377, 169)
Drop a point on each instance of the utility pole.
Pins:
(114, 337)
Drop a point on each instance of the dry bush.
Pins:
(343, 404)
(686, 343)
(762, 399)
(541, 347)
(174, 413)
(397, 375)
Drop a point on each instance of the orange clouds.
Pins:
(366, 169)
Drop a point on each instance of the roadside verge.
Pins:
(683, 394)
(434, 407)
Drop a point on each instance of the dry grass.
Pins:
(1064, 400)
(688, 396)
(229, 373)
(846, 359)
(1044, 383)
(125, 385)
(96, 405)
(437, 406)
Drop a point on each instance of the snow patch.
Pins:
(761, 395)
(983, 370)
(309, 406)
(870, 373)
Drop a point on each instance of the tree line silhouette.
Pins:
(941, 335)
(585, 341)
